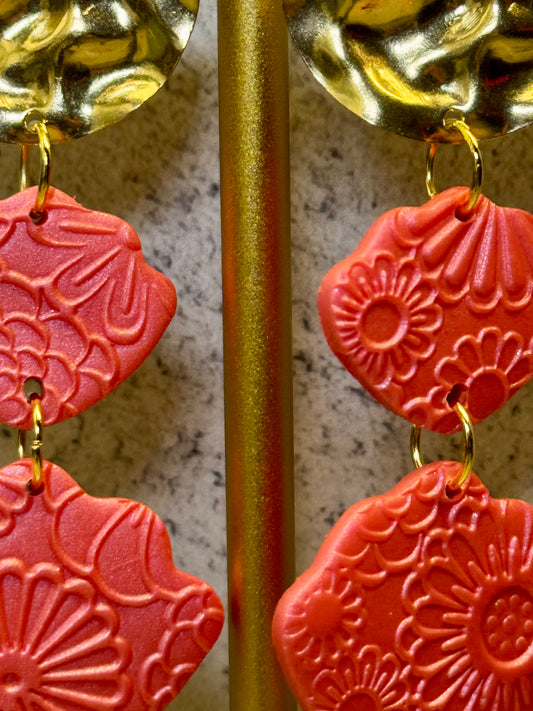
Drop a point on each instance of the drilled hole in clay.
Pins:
(32, 491)
(456, 395)
(463, 216)
(38, 218)
(453, 494)
(33, 387)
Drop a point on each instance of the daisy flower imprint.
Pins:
(367, 681)
(381, 321)
(324, 621)
(468, 636)
(58, 645)
(490, 367)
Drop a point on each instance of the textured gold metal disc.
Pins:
(84, 64)
(404, 64)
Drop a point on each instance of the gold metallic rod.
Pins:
(254, 152)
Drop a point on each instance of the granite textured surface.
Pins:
(159, 437)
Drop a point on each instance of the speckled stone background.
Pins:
(159, 437)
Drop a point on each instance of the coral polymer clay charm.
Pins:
(416, 601)
(407, 312)
(80, 309)
(93, 613)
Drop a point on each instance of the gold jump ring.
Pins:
(39, 127)
(468, 450)
(36, 445)
(34, 486)
(473, 145)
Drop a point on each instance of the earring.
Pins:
(93, 613)
(422, 598)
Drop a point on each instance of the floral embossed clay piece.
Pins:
(80, 309)
(93, 613)
(406, 313)
(416, 601)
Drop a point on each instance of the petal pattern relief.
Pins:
(80, 309)
(326, 618)
(92, 629)
(414, 296)
(480, 612)
(368, 681)
(165, 672)
(386, 318)
(486, 259)
(13, 500)
(488, 369)
(59, 647)
(446, 625)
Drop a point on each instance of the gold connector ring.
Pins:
(457, 484)
(39, 127)
(34, 486)
(36, 445)
(473, 145)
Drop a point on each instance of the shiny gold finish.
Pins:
(403, 64)
(45, 151)
(477, 179)
(254, 151)
(414, 444)
(468, 449)
(37, 443)
(34, 485)
(84, 65)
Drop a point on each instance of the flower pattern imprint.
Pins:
(469, 635)
(27, 352)
(386, 319)
(472, 267)
(13, 500)
(367, 681)
(80, 308)
(58, 645)
(378, 544)
(161, 613)
(163, 675)
(326, 618)
(485, 260)
(489, 368)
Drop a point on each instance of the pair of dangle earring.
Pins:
(93, 613)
